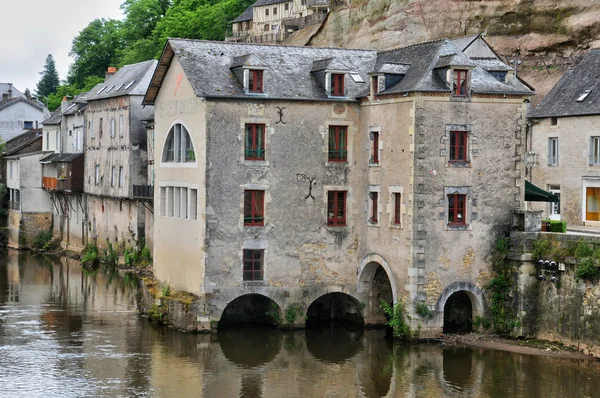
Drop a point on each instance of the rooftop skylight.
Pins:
(356, 77)
(129, 85)
(101, 90)
(583, 96)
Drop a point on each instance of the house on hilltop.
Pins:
(18, 113)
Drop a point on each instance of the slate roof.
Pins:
(117, 84)
(54, 119)
(4, 89)
(19, 142)
(247, 15)
(562, 99)
(268, 2)
(61, 157)
(15, 100)
(207, 66)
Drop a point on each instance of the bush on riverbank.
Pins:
(90, 256)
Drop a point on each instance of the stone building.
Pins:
(320, 181)
(564, 145)
(115, 155)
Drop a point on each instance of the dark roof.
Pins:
(562, 99)
(19, 142)
(55, 118)
(61, 157)
(247, 15)
(120, 83)
(268, 2)
(207, 66)
(15, 100)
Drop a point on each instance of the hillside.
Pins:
(547, 36)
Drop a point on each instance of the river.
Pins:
(65, 332)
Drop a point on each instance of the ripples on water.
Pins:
(67, 333)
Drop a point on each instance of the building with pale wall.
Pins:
(325, 180)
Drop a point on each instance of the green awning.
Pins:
(535, 194)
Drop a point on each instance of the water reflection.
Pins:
(78, 334)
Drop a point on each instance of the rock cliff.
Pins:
(547, 36)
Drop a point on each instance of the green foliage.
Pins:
(583, 250)
(110, 256)
(396, 318)
(423, 310)
(274, 314)
(54, 100)
(49, 81)
(90, 255)
(558, 226)
(166, 290)
(588, 270)
(541, 248)
(137, 257)
(500, 287)
(157, 313)
(481, 322)
(42, 239)
(292, 312)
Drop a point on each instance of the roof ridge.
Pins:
(411, 45)
(273, 45)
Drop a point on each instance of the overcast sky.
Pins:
(32, 29)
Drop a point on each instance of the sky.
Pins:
(32, 29)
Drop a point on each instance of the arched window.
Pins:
(179, 147)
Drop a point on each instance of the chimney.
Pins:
(111, 71)
(28, 95)
(64, 105)
(9, 90)
(4, 96)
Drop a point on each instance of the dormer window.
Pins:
(460, 82)
(337, 85)
(255, 81)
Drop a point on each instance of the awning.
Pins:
(535, 194)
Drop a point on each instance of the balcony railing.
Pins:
(143, 192)
(14, 205)
(49, 183)
(317, 3)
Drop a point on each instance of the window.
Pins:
(170, 200)
(254, 142)
(336, 208)
(193, 204)
(112, 127)
(254, 208)
(375, 84)
(274, 10)
(553, 121)
(47, 140)
(121, 176)
(101, 127)
(374, 197)
(303, 2)
(255, 81)
(92, 129)
(10, 165)
(163, 201)
(595, 151)
(553, 151)
(374, 147)
(456, 209)
(253, 265)
(397, 198)
(121, 126)
(179, 147)
(27, 125)
(458, 146)
(337, 151)
(460, 82)
(286, 6)
(97, 174)
(337, 85)
(113, 176)
(266, 12)
(57, 141)
(176, 202)
(183, 208)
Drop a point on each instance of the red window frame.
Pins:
(374, 210)
(254, 142)
(255, 84)
(460, 82)
(253, 264)
(254, 208)
(337, 84)
(374, 147)
(336, 208)
(459, 146)
(375, 84)
(397, 208)
(338, 144)
(457, 206)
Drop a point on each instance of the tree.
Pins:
(49, 81)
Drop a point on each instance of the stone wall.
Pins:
(23, 227)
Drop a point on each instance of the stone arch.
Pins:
(474, 293)
(335, 306)
(367, 269)
(251, 308)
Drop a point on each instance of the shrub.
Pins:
(90, 255)
(583, 250)
(396, 318)
(423, 310)
(42, 239)
(541, 248)
(558, 226)
(588, 270)
(110, 255)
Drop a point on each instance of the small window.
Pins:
(583, 96)
(553, 121)
(101, 125)
(337, 85)
(183, 208)
(255, 81)
(113, 176)
(253, 265)
(121, 176)
(274, 10)
(101, 90)
(374, 148)
(456, 209)
(336, 208)
(357, 78)
(375, 84)
(92, 127)
(286, 6)
(120, 125)
(397, 198)
(176, 202)
(303, 2)
(163, 201)
(266, 12)
(458, 146)
(337, 151)
(595, 151)
(193, 204)
(47, 140)
(112, 127)
(97, 174)
(10, 164)
(129, 85)
(460, 82)
(254, 142)
(170, 201)
(254, 210)
(374, 197)
(553, 151)
(27, 125)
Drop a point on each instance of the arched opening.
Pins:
(458, 313)
(250, 347)
(375, 285)
(335, 307)
(254, 309)
(178, 146)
